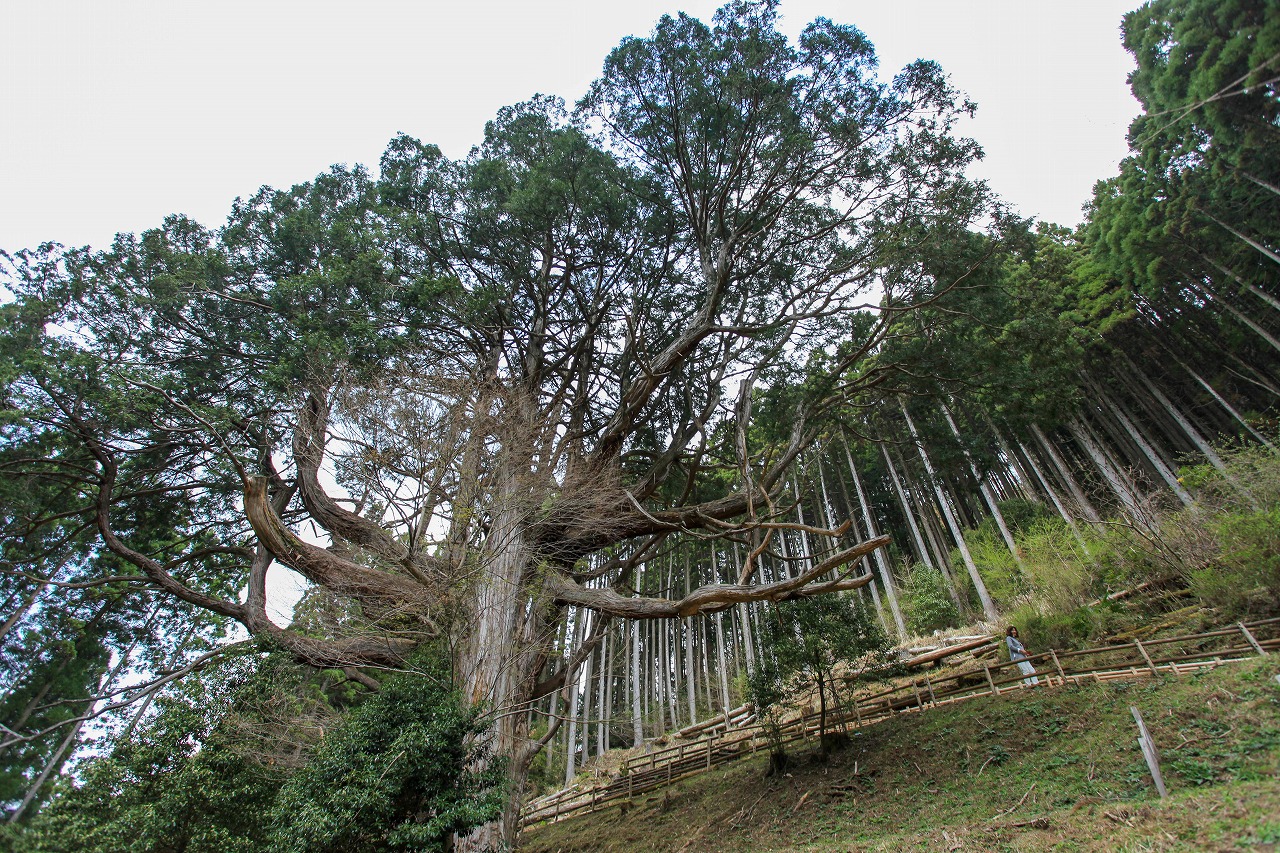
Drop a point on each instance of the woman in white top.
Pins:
(1018, 654)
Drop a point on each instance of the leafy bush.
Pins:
(1244, 580)
(219, 769)
(1000, 573)
(925, 603)
(1023, 515)
(397, 774)
(1225, 547)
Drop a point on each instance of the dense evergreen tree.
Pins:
(529, 350)
(598, 369)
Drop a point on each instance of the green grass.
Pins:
(952, 779)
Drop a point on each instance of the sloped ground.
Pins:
(1028, 770)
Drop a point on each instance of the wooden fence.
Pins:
(720, 740)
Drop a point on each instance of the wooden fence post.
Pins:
(1058, 666)
(1146, 657)
(995, 691)
(1252, 641)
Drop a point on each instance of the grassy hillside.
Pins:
(1052, 769)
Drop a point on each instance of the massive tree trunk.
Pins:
(511, 629)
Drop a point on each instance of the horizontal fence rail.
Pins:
(729, 737)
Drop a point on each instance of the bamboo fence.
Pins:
(725, 738)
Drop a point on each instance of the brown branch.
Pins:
(319, 565)
(712, 596)
(151, 568)
(308, 451)
(556, 681)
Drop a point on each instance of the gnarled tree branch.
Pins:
(712, 597)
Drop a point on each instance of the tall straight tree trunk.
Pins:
(882, 562)
(875, 598)
(656, 701)
(606, 695)
(806, 552)
(735, 641)
(689, 677)
(873, 587)
(1176, 415)
(1064, 472)
(988, 606)
(983, 488)
(922, 550)
(1257, 436)
(1198, 341)
(785, 551)
(706, 660)
(1026, 484)
(724, 672)
(1239, 315)
(931, 520)
(637, 719)
(1053, 497)
(1118, 482)
(675, 652)
(668, 675)
(1254, 244)
(1137, 398)
(587, 683)
(1157, 462)
(1249, 286)
(571, 736)
(748, 641)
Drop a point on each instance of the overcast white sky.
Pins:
(118, 113)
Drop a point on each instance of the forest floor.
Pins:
(1044, 769)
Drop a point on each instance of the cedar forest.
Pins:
(578, 438)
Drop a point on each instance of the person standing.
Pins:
(1018, 654)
